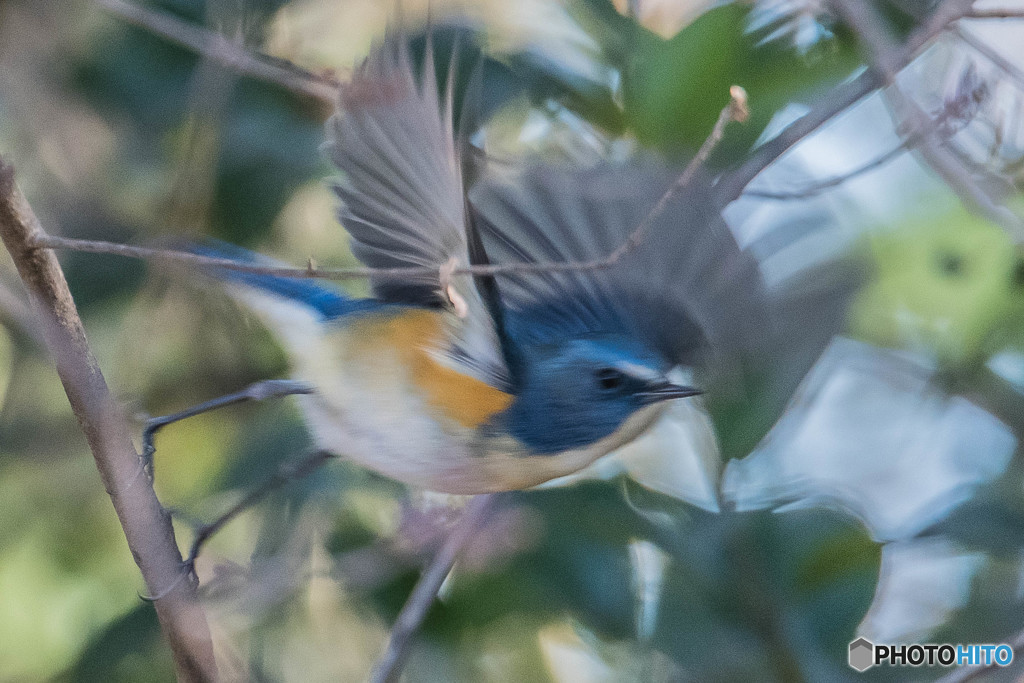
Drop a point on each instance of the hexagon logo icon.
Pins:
(862, 654)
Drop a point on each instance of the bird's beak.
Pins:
(663, 390)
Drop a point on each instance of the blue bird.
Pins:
(471, 385)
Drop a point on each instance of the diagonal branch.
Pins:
(221, 50)
(147, 526)
(886, 61)
(260, 391)
(1009, 68)
(838, 100)
(814, 189)
(1016, 13)
(414, 611)
(951, 119)
(285, 474)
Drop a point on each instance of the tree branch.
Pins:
(885, 60)
(996, 14)
(841, 98)
(286, 473)
(147, 526)
(220, 50)
(954, 116)
(1008, 67)
(814, 189)
(389, 666)
(259, 391)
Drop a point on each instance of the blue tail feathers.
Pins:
(327, 301)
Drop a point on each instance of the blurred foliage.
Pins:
(662, 77)
(616, 580)
(949, 285)
(155, 89)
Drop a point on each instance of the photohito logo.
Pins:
(864, 654)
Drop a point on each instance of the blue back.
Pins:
(327, 301)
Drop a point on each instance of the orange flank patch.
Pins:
(457, 396)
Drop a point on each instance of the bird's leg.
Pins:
(286, 473)
(270, 388)
(204, 531)
(273, 388)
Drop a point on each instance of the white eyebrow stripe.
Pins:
(638, 371)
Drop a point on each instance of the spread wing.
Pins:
(402, 194)
(686, 286)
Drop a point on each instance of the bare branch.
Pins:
(175, 256)
(836, 102)
(886, 61)
(221, 50)
(410, 618)
(949, 121)
(996, 14)
(287, 473)
(147, 526)
(736, 110)
(1011, 69)
(259, 391)
(732, 184)
(815, 189)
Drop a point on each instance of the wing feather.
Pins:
(686, 286)
(402, 193)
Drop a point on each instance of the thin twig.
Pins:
(414, 611)
(814, 189)
(147, 527)
(287, 473)
(838, 100)
(996, 14)
(258, 391)
(175, 256)
(885, 60)
(1011, 69)
(956, 175)
(219, 49)
(736, 110)
(948, 114)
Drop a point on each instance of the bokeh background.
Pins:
(867, 478)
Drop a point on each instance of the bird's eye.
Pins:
(609, 379)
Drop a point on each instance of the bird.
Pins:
(480, 383)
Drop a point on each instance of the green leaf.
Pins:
(674, 89)
(949, 284)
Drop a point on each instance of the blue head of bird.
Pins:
(576, 392)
